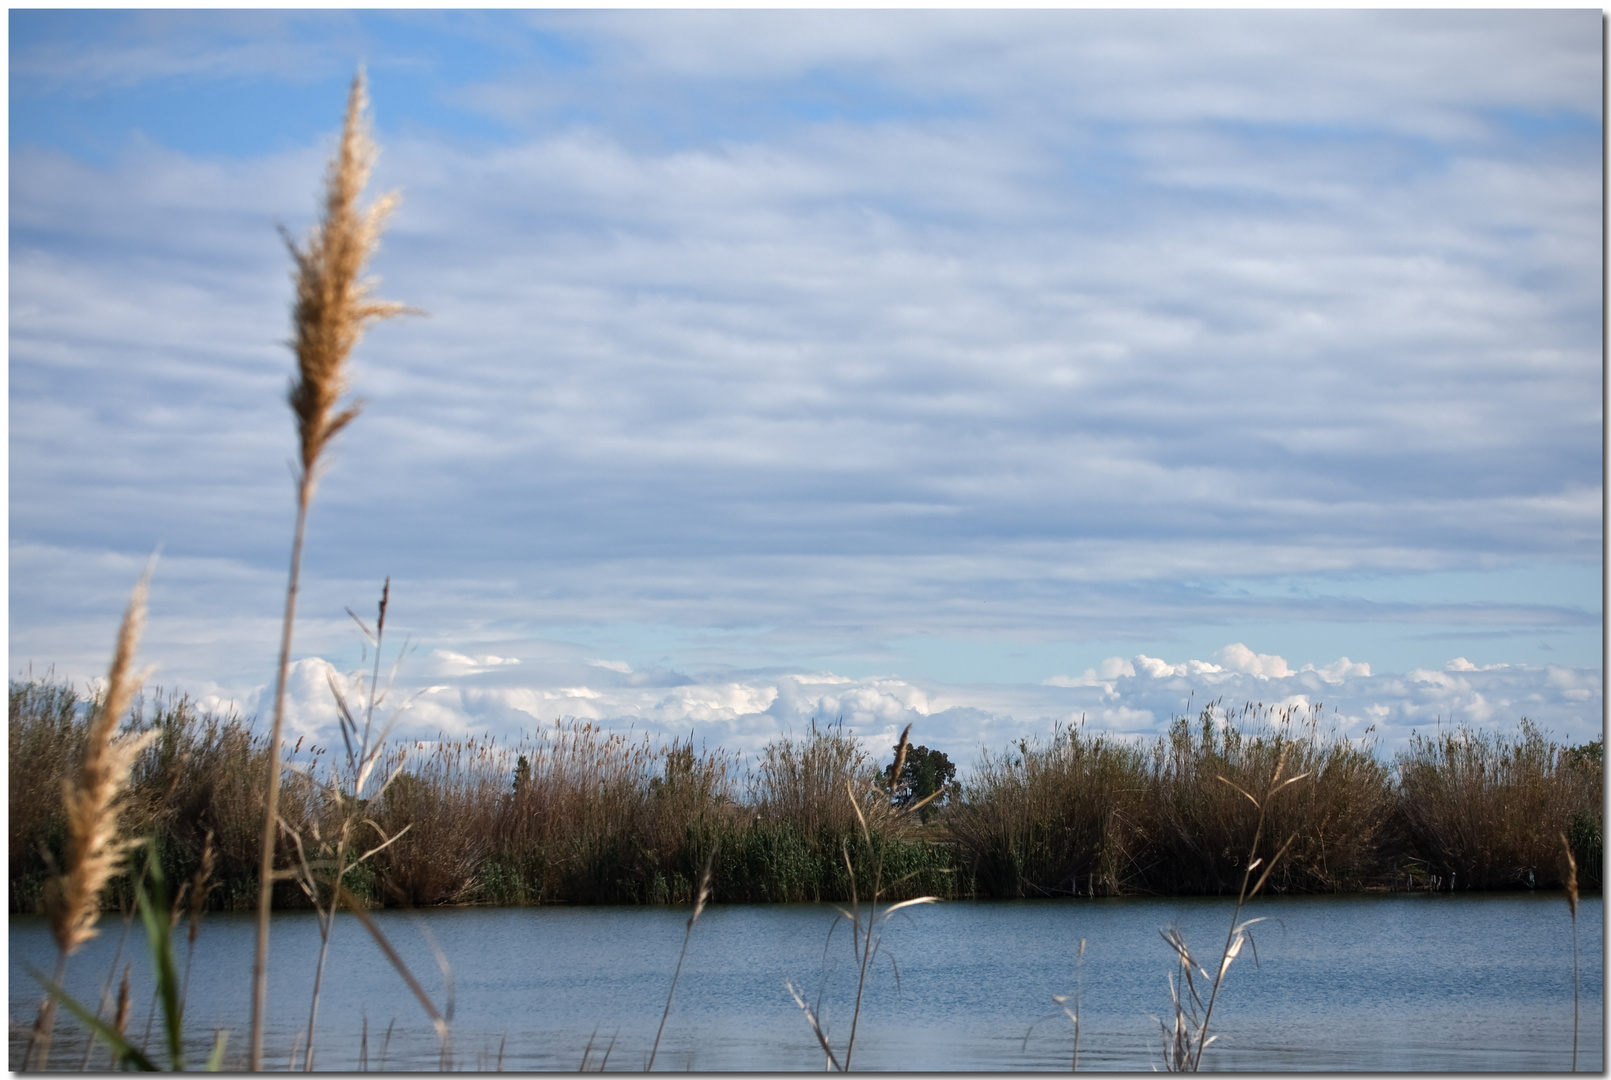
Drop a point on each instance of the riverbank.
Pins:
(571, 814)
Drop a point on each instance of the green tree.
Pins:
(925, 772)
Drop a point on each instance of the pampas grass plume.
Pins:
(95, 851)
(333, 304)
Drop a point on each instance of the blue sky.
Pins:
(979, 369)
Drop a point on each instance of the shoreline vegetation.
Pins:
(572, 814)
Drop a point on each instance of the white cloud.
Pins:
(1114, 667)
(938, 368)
(1124, 720)
(1339, 670)
(702, 704)
(1460, 663)
(1162, 669)
(1239, 657)
(745, 713)
(449, 662)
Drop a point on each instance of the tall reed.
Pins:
(1571, 899)
(1487, 809)
(332, 309)
(688, 933)
(872, 804)
(95, 847)
(342, 841)
(594, 816)
(1200, 828)
(1061, 818)
(1187, 1037)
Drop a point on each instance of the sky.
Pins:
(985, 371)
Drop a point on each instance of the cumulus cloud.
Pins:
(1155, 668)
(1239, 657)
(1114, 667)
(1339, 670)
(745, 711)
(1460, 663)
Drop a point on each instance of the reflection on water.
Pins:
(1470, 982)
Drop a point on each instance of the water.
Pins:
(1402, 982)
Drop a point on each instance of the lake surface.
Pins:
(1400, 982)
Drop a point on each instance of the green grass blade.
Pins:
(159, 934)
(215, 1060)
(111, 1036)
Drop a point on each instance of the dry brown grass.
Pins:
(873, 805)
(802, 782)
(1486, 810)
(45, 738)
(334, 303)
(333, 307)
(1060, 818)
(95, 845)
(571, 812)
(1200, 829)
(1089, 814)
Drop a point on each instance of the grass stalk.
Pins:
(1571, 902)
(92, 799)
(866, 937)
(361, 760)
(1074, 1014)
(1185, 1042)
(332, 309)
(699, 907)
(111, 977)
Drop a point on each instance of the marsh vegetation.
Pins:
(572, 813)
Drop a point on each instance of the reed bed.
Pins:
(1201, 827)
(1487, 811)
(571, 813)
(1061, 818)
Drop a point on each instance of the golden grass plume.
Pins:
(333, 303)
(95, 850)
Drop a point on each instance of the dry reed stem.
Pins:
(354, 905)
(92, 800)
(816, 1027)
(333, 307)
(1571, 900)
(702, 895)
(866, 940)
(1179, 1055)
(121, 1020)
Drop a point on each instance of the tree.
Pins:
(925, 772)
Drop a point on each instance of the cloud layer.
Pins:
(1133, 697)
(1053, 330)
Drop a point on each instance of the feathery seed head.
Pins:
(1571, 875)
(94, 849)
(333, 303)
